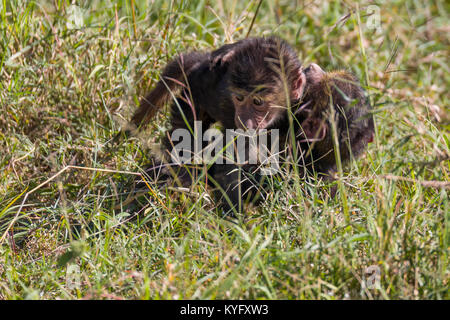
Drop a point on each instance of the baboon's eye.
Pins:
(239, 97)
(257, 101)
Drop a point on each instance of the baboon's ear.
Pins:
(221, 57)
(299, 84)
(312, 129)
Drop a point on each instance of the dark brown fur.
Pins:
(211, 81)
(325, 93)
(251, 84)
(247, 85)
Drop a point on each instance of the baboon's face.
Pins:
(258, 109)
(264, 79)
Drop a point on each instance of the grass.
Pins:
(70, 77)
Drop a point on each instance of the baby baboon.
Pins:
(244, 85)
(337, 92)
(255, 84)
